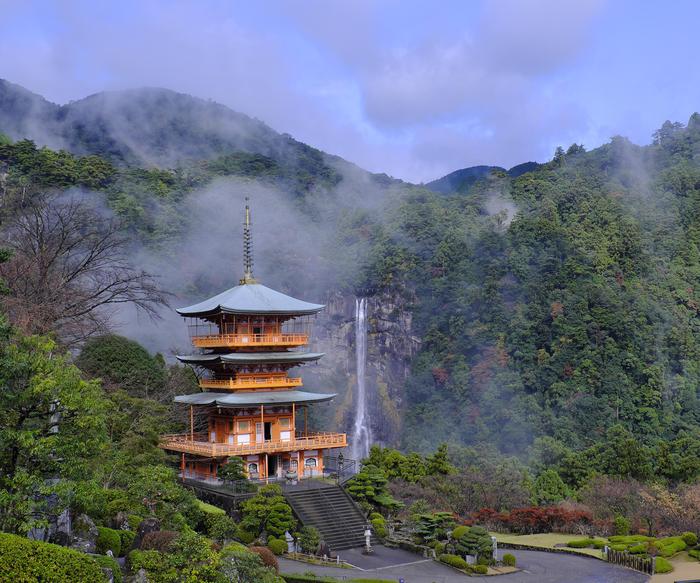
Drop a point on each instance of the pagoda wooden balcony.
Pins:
(244, 340)
(199, 446)
(254, 383)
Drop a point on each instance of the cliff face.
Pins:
(391, 344)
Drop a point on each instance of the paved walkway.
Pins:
(538, 567)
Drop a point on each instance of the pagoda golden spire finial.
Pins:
(247, 249)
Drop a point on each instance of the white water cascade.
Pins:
(361, 435)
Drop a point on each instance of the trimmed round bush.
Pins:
(108, 539)
(454, 561)
(695, 553)
(439, 548)
(459, 532)
(580, 543)
(690, 538)
(599, 543)
(374, 515)
(663, 565)
(671, 545)
(638, 549)
(268, 559)
(277, 546)
(479, 569)
(22, 559)
(509, 560)
(150, 561)
(379, 527)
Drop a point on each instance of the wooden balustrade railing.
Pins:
(199, 445)
(239, 340)
(250, 383)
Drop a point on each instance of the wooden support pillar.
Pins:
(182, 464)
(191, 423)
(294, 424)
(267, 478)
(262, 421)
(300, 467)
(306, 420)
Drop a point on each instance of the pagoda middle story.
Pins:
(249, 337)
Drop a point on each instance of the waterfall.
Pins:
(361, 436)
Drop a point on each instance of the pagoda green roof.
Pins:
(250, 398)
(251, 298)
(250, 357)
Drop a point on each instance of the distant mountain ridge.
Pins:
(461, 180)
(148, 126)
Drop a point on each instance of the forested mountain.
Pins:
(557, 306)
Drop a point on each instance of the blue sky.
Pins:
(414, 89)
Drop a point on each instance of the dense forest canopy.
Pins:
(557, 300)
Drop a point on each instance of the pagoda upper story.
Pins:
(249, 335)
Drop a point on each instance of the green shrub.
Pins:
(622, 526)
(639, 549)
(134, 521)
(374, 515)
(148, 560)
(277, 546)
(690, 538)
(309, 539)
(582, 543)
(209, 508)
(454, 561)
(439, 548)
(459, 532)
(379, 527)
(479, 569)
(22, 559)
(220, 527)
(663, 565)
(670, 546)
(509, 560)
(618, 547)
(110, 563)
(127, 539)
(244, 536)
(695, 553)
(629, 539)
(599, 543)
(108, 539)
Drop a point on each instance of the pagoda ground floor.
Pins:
(274, 466)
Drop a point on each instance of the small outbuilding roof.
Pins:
(247, 399)
(250, 357)
(251, 298)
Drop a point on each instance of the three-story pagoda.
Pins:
(249, 337)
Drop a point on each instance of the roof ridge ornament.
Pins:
(247, 249)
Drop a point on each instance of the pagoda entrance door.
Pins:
(272, 465)
(268, 431)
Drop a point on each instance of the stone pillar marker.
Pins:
(291, 547)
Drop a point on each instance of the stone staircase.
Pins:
(329, 509)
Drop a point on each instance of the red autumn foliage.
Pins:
(268, 558)
(534, 519)
(440, 375)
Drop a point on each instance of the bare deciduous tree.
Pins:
(69, 270)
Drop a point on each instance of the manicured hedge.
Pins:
(108, 540)
(479, 569)
(26, 561)
(379, 527)
(454, 561)
(459, 532)
(509, 560)
(582, 543)
(663, 565)
(299, 578)
(690, 538)
(670, 546)
(277, 546)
